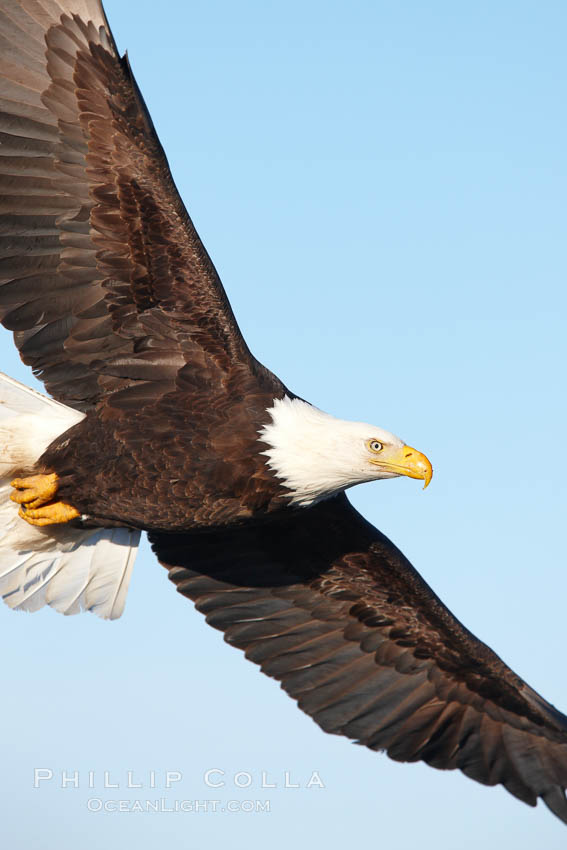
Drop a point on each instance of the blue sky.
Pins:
(382, 188)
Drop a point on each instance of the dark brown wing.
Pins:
(329, 607)
(103, 277)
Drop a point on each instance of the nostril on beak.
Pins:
(408, 454)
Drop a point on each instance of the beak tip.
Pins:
(426, 470)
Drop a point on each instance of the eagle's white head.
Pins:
(316, 455)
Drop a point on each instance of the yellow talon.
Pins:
(56, 512)
(35, 494)
(35, 490)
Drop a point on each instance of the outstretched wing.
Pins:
(103, 278)
(327, 605)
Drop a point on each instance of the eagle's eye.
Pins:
(374, 446)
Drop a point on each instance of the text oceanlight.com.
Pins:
(97, 804)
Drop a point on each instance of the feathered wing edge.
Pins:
(71, 569)
(328, 606)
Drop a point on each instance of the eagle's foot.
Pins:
(34, 491)
(51, 514)
(35, 495)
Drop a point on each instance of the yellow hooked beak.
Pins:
(405, 461)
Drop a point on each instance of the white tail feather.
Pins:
(70, 569)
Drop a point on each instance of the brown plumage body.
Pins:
(117, 307)
(186, 461)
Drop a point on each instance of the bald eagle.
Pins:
(160, 419)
